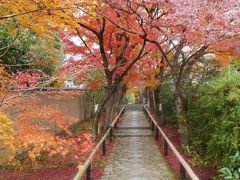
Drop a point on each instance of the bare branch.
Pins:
(88, 28)
(120, 59)
(11, 43)
(84, 42)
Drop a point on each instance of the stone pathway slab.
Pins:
(136, 157)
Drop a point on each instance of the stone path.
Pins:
(135, 155)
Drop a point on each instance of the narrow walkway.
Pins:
(135, 155)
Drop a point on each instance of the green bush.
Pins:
(167, 98)
(29, 51)
(213, 118)
(231, 170)
(196, 158)
(130, 98)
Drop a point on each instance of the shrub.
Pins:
(231, 170)
(168, 98)
(214, 117)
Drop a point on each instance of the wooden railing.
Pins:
(184, 167)
(87, 166)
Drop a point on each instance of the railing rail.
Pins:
(86, 168)
(184, 167)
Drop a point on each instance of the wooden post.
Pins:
(110, 135)
(182, 172)
(122, 113)
(149, 119)
(157, 133)
(165, 146)
(104, 147)
(88, 175)
(152, 128)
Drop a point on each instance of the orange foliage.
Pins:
(35, 132)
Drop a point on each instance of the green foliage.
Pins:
(130, 98)
(102, 164)
(167, 98)
(196, 158)
(95, 95)
(25, 50)
(214, 117)
(74, 127)
(81, 126)
(231, 170)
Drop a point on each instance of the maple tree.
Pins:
(84, 19)
(107, 48)
(39, 130)
(115, 35)
(93, 28)
(27, 126)
(183, 32)
(30, 135)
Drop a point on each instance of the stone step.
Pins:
(135, 154)
(126, 123)
(132, 135)
(132, 127)
(133, 132)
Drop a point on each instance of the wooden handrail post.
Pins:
(115, 125)
(86, 169)
(104, 148)
(182, 172)
(110, 134)
(120, 117)
(88, 175)
(157, 133)
(152, 127)
(165, 147)
(185, 169)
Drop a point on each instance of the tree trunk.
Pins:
(148, 97)
(157, 100)
(151, 99)
(84, 108)
(92, 106)
(112, 105)
(118, 98)
(97, 118)
(181, 108)
(122, 93)
(109, 107)
(105, 102)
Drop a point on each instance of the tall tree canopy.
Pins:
(115, 35)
